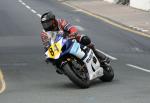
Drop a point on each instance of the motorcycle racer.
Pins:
(51, 24)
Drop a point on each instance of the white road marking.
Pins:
(111, 57)
(137, 67)
(78, 10)
(28, 7)
(39, 15)
(20, 1)
(33, 11)
(137, 49)
(23, 3)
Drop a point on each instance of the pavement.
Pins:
(123, 15)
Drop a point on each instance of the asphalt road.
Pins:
(30, 80)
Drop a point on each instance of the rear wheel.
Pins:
(78, 76)
(108, 74)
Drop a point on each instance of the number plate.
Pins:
(54, 50)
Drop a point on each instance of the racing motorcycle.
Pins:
(78, 62)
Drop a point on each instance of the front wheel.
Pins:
(73, 75)
(108, 74)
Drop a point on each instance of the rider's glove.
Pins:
(73, 36)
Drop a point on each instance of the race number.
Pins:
(55, 50)
(51, 51)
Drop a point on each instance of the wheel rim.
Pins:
(80, 71)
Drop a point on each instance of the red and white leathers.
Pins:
(64, 28)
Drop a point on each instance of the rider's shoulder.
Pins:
(62, 21)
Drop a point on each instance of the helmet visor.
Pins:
(47, 24)
(50, 25)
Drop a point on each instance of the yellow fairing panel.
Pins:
(54, 50)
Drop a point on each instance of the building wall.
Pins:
(140, 4)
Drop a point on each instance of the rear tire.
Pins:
(108, 75)
(74, 78)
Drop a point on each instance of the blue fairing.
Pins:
(66, 47)
(69, 46)
(74, 48)
(59, 36)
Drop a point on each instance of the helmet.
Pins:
(49, 22)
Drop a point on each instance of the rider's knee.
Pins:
(85, 40)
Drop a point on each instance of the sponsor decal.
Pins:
(90, 57)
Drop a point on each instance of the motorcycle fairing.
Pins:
(91, 61)
(76, 50)
(54, 50)
(58, 47)
(93, 65)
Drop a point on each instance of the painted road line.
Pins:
(2, 82)
(23, 3)
(78, 10)
(28, 7)
(20, 1)
(139, 68)
(111, 57)
(33, 11)
(107, 20)
(39, 15)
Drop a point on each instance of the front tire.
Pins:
(68, 70)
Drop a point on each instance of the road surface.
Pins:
(30, 80)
